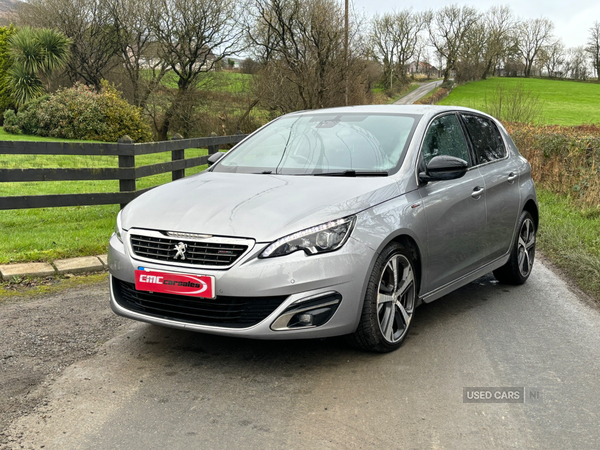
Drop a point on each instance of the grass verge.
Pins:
(569, 237)
(31, 289)
(381, 98)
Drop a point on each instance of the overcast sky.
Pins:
(572, 18)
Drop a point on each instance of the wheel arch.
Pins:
(532, 208)
(406, 239)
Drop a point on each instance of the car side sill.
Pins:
(465, 279)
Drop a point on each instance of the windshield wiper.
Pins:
(351, 173)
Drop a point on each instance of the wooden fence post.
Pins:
(177, 155)
(126, 161)
(212, 149)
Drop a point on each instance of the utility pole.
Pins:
(346, 48)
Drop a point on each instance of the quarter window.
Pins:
(486, 139)
(445, 137)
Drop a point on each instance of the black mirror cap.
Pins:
(214, 158)
(444, 167)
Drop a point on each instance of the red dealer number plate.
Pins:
(175, 283)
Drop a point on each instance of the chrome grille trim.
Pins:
(215, 252)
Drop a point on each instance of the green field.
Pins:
(223, 81)
(46, 234)
(563, 102)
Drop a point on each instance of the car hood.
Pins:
(262, 207)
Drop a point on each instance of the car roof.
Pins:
(422, 110)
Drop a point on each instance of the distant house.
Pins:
(151, 59)
(421, 68)
(234, 63)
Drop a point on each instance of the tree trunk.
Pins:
(447, 71)
(487, 70)
(166, 122)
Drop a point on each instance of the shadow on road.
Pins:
(283, 356)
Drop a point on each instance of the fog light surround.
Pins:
(310, 312)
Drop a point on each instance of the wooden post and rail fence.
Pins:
(127, 173)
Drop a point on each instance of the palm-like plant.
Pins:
(55, 49)
(35, 52)
(23, 84)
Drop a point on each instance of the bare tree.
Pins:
(192, 37)
(384, 45)
(394, 38)
(576, 63)
(470, 63)
(300, 45)
(407, 27)
(87, 23)
(552, 57)
(532, 36)
(593, 47)
(448, 28)
(137, 47)
(500, 28)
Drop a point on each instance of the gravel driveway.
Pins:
(41, 337)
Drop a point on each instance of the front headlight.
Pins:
(118, 227)
(323, 238)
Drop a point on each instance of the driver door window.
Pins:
(445, 137)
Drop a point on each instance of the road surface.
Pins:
(156, 388)
(415, 95)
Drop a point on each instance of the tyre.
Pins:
(389, 303)
(522, 255)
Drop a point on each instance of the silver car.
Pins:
(330, 222)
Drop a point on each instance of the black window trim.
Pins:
(472, 147)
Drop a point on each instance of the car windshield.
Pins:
(313, 144)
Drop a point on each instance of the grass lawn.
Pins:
(46, 234)
(563, 102)
(570, 238)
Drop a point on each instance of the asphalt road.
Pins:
(156, 388)
(415, 95)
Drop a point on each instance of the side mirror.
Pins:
(444, 167)
(214, 158)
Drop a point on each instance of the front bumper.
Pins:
(295, 276)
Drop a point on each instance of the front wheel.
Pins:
(389, 302)
(519, 265)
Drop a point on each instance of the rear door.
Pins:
(454, 209)
(499, 172)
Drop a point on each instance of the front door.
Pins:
(455, 210)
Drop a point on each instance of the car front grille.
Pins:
(230, 312)
(197, 252)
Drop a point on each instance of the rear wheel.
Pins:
(519, 265)
(389, 302)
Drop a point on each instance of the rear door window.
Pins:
(485, 137)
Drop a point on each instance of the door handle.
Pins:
(476, 194)
(512, 177)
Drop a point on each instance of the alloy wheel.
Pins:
(526, 247)
(396, 298)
